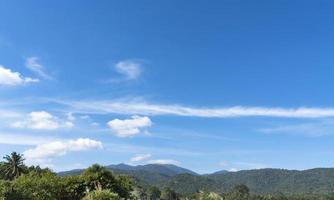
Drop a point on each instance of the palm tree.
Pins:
(13, 166)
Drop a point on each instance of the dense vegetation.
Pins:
(20, 182)
(262, 181)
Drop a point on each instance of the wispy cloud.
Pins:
(139, 158)
(164, 162)
(10, 78)
(313, 129)
(44, 153)
(240, 165)
(33, 64)
(129, 127)
(129, 69)
(144, 108)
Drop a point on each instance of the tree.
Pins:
(38, 170)
(242, 191)
(239, 192)
(13, 166)
(154, 193)
(169, 194)
(98, 177)
(140, 193)
(123, 186)
(73, 188)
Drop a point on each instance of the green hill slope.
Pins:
(261, 181)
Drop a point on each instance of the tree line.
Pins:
(21, 182)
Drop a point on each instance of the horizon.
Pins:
(234, 85)
(132, 165)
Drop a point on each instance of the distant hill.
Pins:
(261, 181)
(150, 174)
(167, 169)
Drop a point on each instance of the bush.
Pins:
(73, 188)
(44, 186)
(101, 195)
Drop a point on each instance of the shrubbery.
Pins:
(101, 195)
(19, 182)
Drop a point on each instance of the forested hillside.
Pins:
(260, 181)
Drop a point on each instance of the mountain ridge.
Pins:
(260, 181)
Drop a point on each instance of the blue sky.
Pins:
(205, 85)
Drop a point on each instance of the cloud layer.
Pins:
(144, 108)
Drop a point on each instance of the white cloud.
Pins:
(164, 162)
(130, 69)
(140, 157)
(232, 170)
(10, 78)
(41, 120)
(32, 64)
(44, 153)
(144, 108)
(129, 127)
(236, 166)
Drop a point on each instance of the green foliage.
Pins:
(98, 177)
(154, 193)
(188, 184)
(73, 188)
(140, 193)
(123, 186)
(39, 186)
(207, 196)
(168, 194)
(101, 195)
(239, 192)
(37, 170)
(8, 193)
(5, 189)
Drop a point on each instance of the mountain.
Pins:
(163, 169)
(219, 172)
(150, 174)
(260, 181)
